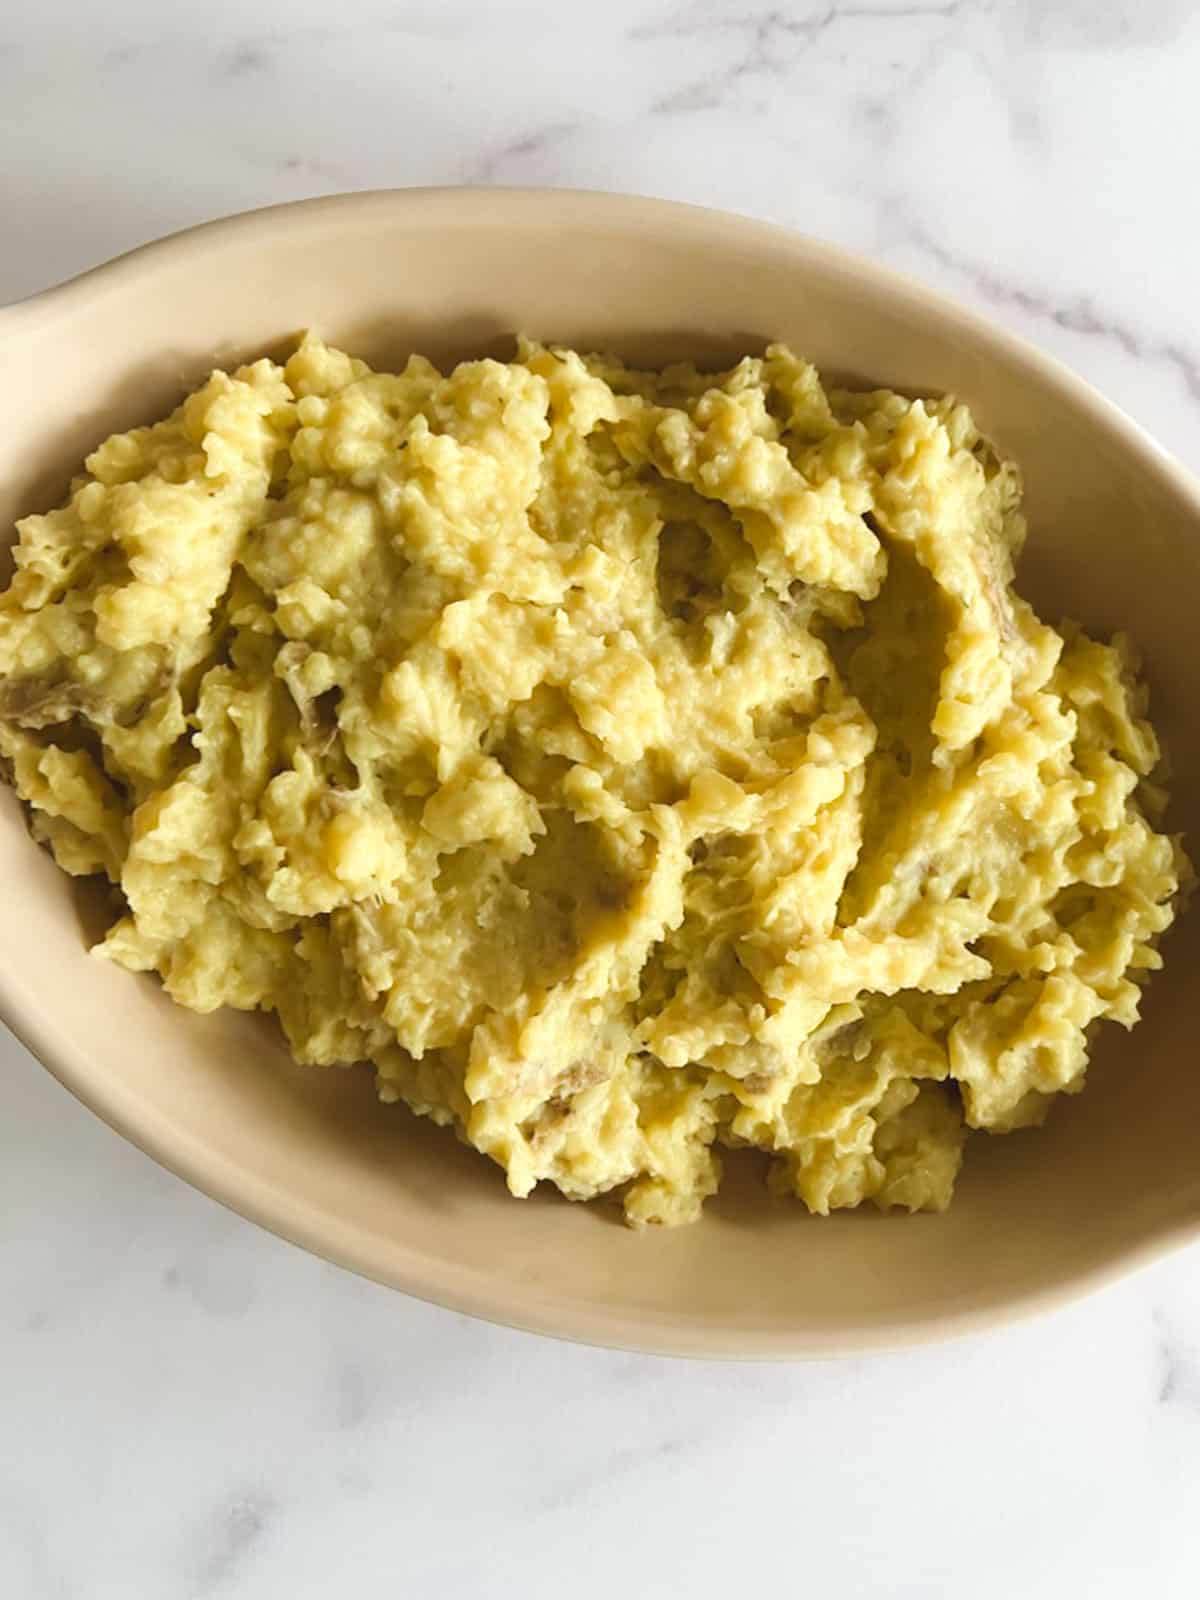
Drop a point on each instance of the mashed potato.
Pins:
(624, 764)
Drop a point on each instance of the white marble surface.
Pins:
(191, 1408)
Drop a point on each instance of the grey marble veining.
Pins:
(191, 1408)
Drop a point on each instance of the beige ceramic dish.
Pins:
(1114, 1179)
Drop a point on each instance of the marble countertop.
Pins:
(192, 1408)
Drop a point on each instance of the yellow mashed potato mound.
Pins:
(625, 764)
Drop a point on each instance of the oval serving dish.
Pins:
(1110, 1182)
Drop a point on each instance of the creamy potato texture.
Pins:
(624, 764)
